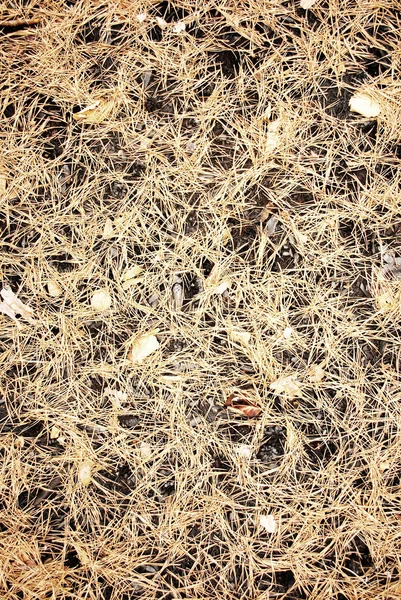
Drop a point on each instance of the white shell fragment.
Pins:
(85, 474)
(244, 450)
(179, 27)
(222, 287)
(53, 289)
(161, 23)
(54, 432)
(364, 105)
(108, 230)
(13, 306)
(145, 450)
(316, 373)
(143, 346)
(101, 300)
(268, 522)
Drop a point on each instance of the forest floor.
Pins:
(199, 394)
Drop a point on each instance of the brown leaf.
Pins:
(242, 406)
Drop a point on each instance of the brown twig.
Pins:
(20, 22)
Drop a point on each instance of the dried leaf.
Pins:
(242, 406)
(365, 105)
(316, 374)
(117, 397)
(96, 112)
(101, 300)
(268, 522)
(305, 4)
(12, 306)
(130, 277)
(108, 230)
(271, 225)
(53, 289)
(85, 474)
(266, 212)
(287, 385)
(143, 346)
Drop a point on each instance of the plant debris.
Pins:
(97, 112)
(12, 306)
(108, 230)
(287, 385)
(242, 406)
(240, 337)
(212, 170)
(130, 277)
(316, 373)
